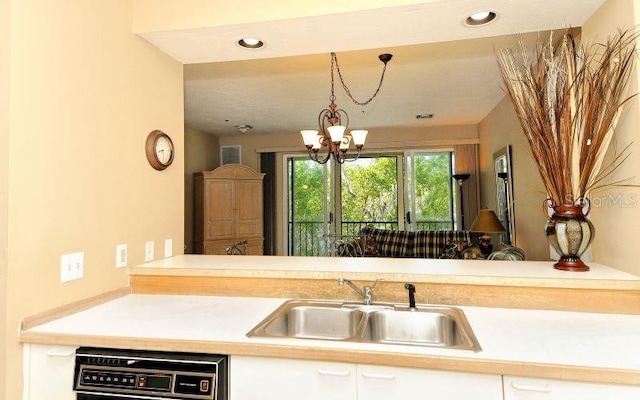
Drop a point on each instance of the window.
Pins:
(393, 191)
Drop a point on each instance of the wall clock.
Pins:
(159, 149)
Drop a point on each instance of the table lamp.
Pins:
(486, 222)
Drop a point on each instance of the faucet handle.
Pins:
(376, 283)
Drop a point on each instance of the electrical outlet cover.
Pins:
(121, 255)
(71, 266)
(148, 251)
(168, 248)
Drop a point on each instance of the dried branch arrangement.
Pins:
(568, 98)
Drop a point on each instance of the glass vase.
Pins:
(569, 232)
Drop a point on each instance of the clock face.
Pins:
(159, 149)
(164, 150)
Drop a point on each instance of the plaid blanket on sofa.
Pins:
(419, 244)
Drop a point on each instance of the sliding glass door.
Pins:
(393, 191)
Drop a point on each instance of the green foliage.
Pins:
(432, 187)
(307, 190)
(369, 190)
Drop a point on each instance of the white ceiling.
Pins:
(439, 65)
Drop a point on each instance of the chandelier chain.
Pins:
(334, 60)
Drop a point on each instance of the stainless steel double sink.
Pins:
(430, 326)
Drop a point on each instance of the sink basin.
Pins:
(430, 326)
(311, 320)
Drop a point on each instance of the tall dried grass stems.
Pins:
(568, 98)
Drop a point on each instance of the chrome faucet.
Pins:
(366, 292)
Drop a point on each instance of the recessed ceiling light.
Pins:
(480, 18)
(250, 43)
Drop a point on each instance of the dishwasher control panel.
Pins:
(158, 374)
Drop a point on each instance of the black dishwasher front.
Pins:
(110, 374)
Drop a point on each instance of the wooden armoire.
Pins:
(228, 209)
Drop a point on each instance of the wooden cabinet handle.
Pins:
(531, 388)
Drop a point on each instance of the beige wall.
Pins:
(5, 24)
(498, 129)
(201, 153)
(85, 92)
(617, 213)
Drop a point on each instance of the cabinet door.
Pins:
(383, 383)
(219, 209)
(248, 199)
(546, 389)
(254, 378)
(49, 372)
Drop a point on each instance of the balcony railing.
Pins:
(305, 238)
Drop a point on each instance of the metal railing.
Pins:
(306, 238)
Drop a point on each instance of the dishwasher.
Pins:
(112, 374)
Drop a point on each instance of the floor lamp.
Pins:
(460, 178)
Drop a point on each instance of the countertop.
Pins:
(552, 344)
(500, 273)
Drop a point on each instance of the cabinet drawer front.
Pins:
(379, 382)
(254, 378)
(516, 388)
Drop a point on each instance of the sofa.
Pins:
(418, 244)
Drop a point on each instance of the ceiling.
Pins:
(439, 65)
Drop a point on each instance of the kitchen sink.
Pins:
(312, 321)
(429, 326)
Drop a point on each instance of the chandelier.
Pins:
(330, 139)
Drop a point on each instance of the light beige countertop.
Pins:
(502, 273)
(551, 344)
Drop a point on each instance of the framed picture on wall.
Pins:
(230, 154)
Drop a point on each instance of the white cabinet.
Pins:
(383, 383)
(282, 379)
(48, 372)
(254, 378)
(516, 388)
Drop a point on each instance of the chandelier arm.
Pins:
(344, 85)
(313, 155)
(354, 158)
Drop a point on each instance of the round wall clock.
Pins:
(159, 149)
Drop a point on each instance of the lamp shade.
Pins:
(310, 137)
(336, 132)
(486, 221)
(359, 136)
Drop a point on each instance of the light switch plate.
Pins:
(71, 266)
(121, 255)
(168, 248)
(148, 251)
